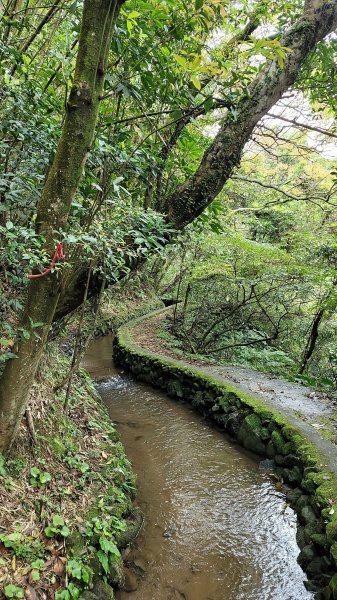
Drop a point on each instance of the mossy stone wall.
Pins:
(312, 488)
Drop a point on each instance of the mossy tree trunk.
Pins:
(319, 18)
(53, 208)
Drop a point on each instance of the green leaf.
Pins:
(65, 531)
(180, 60)
(103, 559)
(38, 564)
(50, 531)
(196, 82)
(3, 471)
(85, 575)
(208, 104)
(35, 575)
(177, 114)
(198, 4)
(74, 591)
(13, 591)
(133, 15)
(109, 547)
(74, 568)
(45, 477)
(35, 472)
(58, 520)
(62, 595)
(16, 536)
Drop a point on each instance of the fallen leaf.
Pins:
(59, 567)
(30, 593)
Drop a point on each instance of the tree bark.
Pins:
(192, 197)
(52, 211)
(311, 343)
(326, 307)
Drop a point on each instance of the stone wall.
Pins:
(312, 489)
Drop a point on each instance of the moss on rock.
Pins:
(264, 431)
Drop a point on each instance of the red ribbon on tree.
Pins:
(58, 255)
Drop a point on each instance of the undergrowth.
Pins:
(65, 497)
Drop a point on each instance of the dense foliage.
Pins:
(261, 261)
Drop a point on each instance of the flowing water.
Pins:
(215, 526)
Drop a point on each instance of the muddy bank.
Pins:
(216, 528)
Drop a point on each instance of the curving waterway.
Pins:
(216, 528)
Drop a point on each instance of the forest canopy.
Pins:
(203, 132)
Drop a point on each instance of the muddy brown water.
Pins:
(215, 526)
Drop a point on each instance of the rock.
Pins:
(103, 591)
(311, 586)
(331, 532)
(140, 565)
(308, 484)
(278, 442)
(270, 450)
(308, 515)
(266, 465)
(88, 596)
(302, 501)
(307, 554)
(280, 459)
(319, 565)
(174, 388)
(320, 540)
(292, 460)
(333, 587)
(251, 433)
(300, 537)
(77, 543)
(333, 551)
(293, 496)
(116, 572)
(288, 448)
(133, 527)
(315, 527)
(130, 581)
(293, 476)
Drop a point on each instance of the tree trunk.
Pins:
(328, 305)
(52, 211)
(192, 197)
(311, 343)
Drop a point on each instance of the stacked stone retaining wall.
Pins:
(311, 487)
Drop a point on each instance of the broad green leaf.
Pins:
(103, 559)
(196, 82)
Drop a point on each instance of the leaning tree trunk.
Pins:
(319, 18)
(311, 343)
(53, 208)
(328, 305)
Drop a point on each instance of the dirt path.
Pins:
(313, 413)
